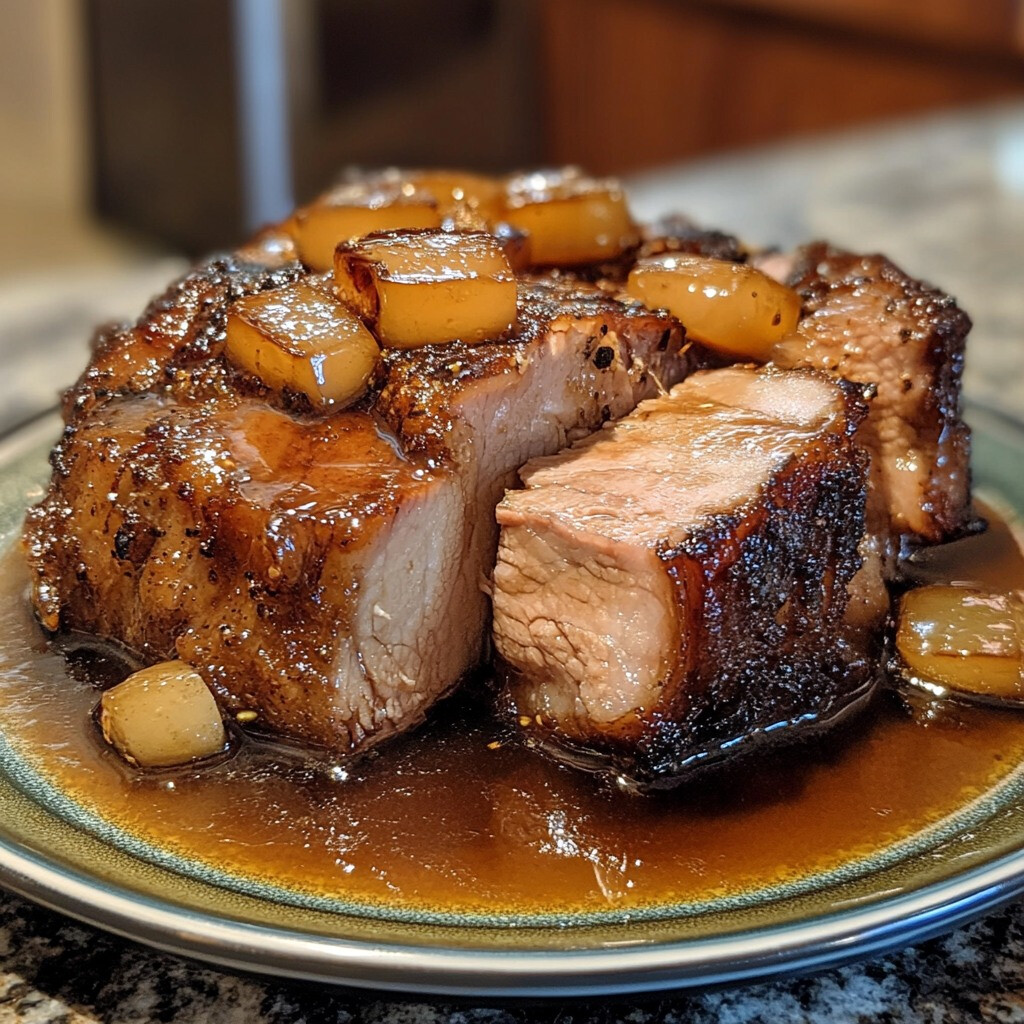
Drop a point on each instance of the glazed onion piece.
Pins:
(515, 243)
(163, 715)
(353, 210)
(963, 639)
(302, 338)
(571, 219)
(459, 194)
(419, 288)
(730, 307)
(272, 247)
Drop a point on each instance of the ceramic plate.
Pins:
(60, 854)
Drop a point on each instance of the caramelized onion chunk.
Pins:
(356, 209)
(161, 716)
(301, 338)
(963, 639)
(458, 193)
(419, 288)
(272, 247)
(515, 243)
(571, 219)
(730, 307)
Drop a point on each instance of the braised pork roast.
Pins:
(686, 560)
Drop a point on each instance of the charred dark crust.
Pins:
(716, 760)
(934, 323)
(178, 333)
(677, 233)
(766, 613)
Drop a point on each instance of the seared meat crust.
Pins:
(174, 341)
(772, 644)
(867, 321)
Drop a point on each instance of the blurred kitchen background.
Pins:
(137, 132)
(180, 122)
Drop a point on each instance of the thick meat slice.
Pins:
(325, 573)
(677, 582)
(262, 549)
(867, 321)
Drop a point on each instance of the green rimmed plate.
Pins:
(55, 851)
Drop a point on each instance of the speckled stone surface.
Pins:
(52, 970)
(944, 197)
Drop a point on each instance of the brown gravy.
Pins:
(456, 817)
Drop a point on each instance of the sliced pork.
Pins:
(324, 572)
(677, 582)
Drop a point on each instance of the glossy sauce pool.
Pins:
(458, 818)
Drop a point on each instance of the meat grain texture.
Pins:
(323, 572)
(866, 320)
(677, 582)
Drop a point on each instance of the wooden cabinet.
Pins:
(633, 83)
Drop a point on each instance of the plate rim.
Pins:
(753, 954)
(758, 955)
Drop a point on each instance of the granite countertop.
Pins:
(943, 196)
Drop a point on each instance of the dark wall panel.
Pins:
(165, 134)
